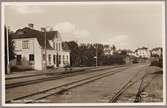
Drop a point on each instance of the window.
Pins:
(54, 59)
(25, 44)
(31, 57)
(67, 59)
(43, 56)
(49, 57)
(19, 32)
(18, 58)
(63, 60)
(59, 59)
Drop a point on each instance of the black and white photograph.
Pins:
(83, 53)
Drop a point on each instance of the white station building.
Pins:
(40, 49)
(142, 52)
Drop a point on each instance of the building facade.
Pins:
(142, 52)
(157, 56)
(156, 52)
(40, 49)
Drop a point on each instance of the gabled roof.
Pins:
(51, 35)
(65, 46)
(31, 33)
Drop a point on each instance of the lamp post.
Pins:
(45, 52)
(96, 55)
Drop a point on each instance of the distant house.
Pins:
(156, 52)
(122, 56)
(156, 56)
(108, 50)
(142, 52)
(40, 49)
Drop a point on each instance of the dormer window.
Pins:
(25, 44)
(19, 32)
(54, 45)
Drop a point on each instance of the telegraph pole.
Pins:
(7, 45)
(45, 53)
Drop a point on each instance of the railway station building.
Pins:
(142, 52)
(39, 49)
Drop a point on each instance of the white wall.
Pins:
(67, 60)
(33, 48)
(61, 53)
(20, 50)
(58, 50)
(50, 52)
(37, 55)
(143, 53)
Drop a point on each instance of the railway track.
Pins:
(115, 98)
(36, 96)
(143, 85)
(131, 82)
(54, 77)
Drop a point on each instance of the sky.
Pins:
(126, 25)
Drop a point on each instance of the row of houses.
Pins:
(142, 52)
(40, 48)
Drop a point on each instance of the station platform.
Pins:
(40, 72)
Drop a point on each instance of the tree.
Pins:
(74, 55)
(10, 45)
(100, 53)
(113, 48)
(84, 54)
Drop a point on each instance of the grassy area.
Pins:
(152, 87)
(155, 89)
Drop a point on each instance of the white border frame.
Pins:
(83, 3)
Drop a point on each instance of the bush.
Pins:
(20, 68)
(50, 67)
(156, 63)
(117, 59)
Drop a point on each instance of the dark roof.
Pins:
(31, 33)
(158, 48)
(51, 35)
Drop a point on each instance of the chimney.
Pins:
(43, 29)
(31, 25)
